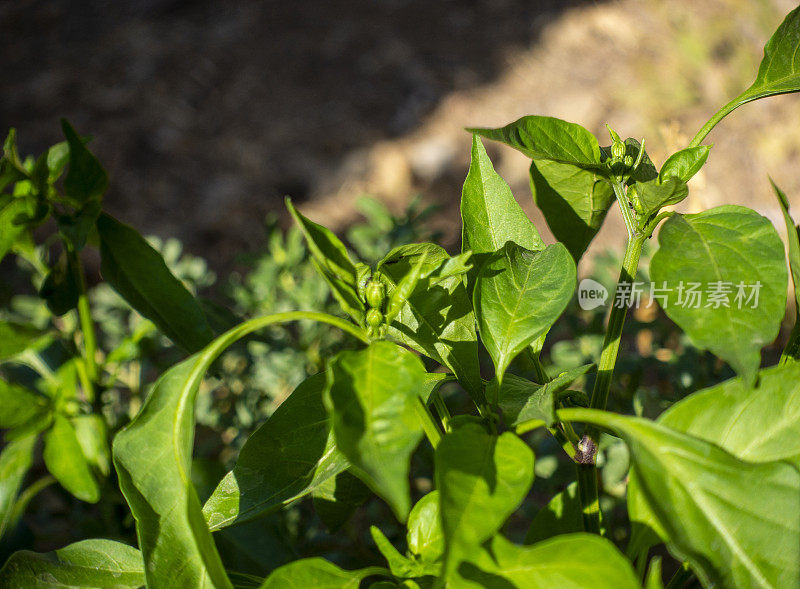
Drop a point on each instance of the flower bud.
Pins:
(374, 318)
(618, 150)
(375, 294)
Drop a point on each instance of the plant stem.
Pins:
(432, 430)
(87, 324)
(441, 409)
(624, 206)
(718, 116)
(587, 470)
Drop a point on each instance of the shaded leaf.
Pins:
(728, 248)
(656, 194)
(518, 296)
(563, 514)
(60, 289)
(86, 179)
(140, 275)
(92, 435)
(15, 461)
(16, 337)
(371, 399)
(792, 351)
(337, 498)
(87, 564)
(286, 458)
(574, 202)
(12, 211)
(401, 566)
(317, 573)
(18, 404)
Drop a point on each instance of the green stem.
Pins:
(718, 116)
(87, 324)
(791, 353)
(429, 426)
(441, 409)
(624, 206)
(587, 471)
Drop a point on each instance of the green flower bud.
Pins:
(617, 150)
(375, 294)
(628, 161)
(374, 318)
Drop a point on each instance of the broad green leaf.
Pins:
(76, 227)
(65, 461)
(574, 202)
(288, 457)
(684, 163)
(779, 72)
(574, 561)
(518, 296)
(549, 138)
(792, 351)
(655, 194)
(522, 400)
(331, 260)
(319, 574)
(481, 480)
(15, 461)
(89, 564)
(86, 179)
(16, 337)
(92, 435)
(12, 211)
(425, 537)
(736, 522)
(563, 514)
(140, 275)
(437, 319)
(371, 398)
(736, 253)
(18, 404)
(490, 214)
(337, 498)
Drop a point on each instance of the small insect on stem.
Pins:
(586, 451)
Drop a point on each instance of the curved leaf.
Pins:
(286, 458)
(481, 480)
(490, 214)
(140, 275)
(15, 461)
(152, 457)
(738, 253)
(574, 202)
(317, 573)
(518, 296)
(88, 564)
(65, 461)
(736, 522)
(684, 163)
(371, 397)
(425, 537)
(550, 139)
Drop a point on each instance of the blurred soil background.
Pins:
(207, 113)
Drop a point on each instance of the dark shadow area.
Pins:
(207, 113)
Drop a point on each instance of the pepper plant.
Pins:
(715, 478)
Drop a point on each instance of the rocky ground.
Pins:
(208, 113)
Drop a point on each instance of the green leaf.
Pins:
(733, 248)
(286, 458)
(331, 260)
(563, 514)
(60, 289)
(656, 194)
(16, 337)
(66, 462)
(522, 400)
(371, 399)
(684, 163)
(779, 72)
(481, 480)
(574, 202)
(12, 211)
(18, 404)
(319, 574)
(425, 537)
(92, 435)
(518, 296)
(140, 275)
(653, 580)
(86, 179)
(337, 498)
(736, 522)
(549, 139)
(86, 564)
(437, 319)
(491, 215)
(400, 566)
(575, 561)
(76, 227)
(15, 461)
